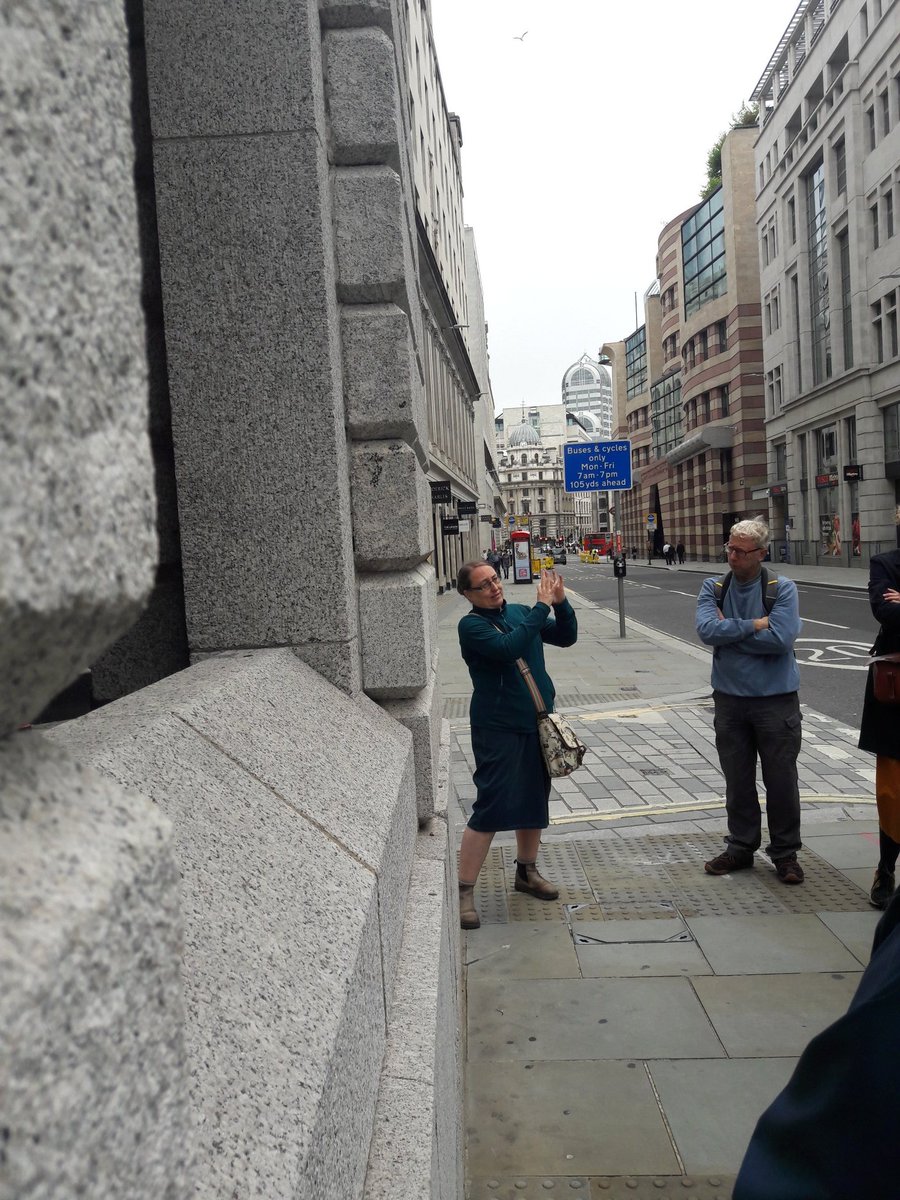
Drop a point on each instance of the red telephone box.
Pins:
(521, 552)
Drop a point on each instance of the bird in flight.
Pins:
(520, 37)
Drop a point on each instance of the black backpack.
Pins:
(767, 583)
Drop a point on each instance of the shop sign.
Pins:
(440, 491)
(778, 489)
(449, 525)
(466, 508)
(829, 479)
(853, 472)
(465, 525)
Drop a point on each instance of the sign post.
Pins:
(601, 467)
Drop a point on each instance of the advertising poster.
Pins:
(856, 534)
(522, 561)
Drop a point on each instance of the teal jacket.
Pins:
(491, 639)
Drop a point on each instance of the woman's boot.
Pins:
(529, 879)
(468, 913)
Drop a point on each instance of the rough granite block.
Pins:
(347, 14)
(295, 867)
(94, 1098)
(402, 1158)
(391, 507)
(338, 662)
(77, 537)
(361, 97)
(371, 237)
(396, 628)
(257, 415)
(422, 717)
(255, 69)
(383, 392)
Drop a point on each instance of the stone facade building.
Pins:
(828, 198)
(228, 958)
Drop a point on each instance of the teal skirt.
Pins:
(512, 782)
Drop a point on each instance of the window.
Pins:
(703, 352)
(725, 465)
(781, 461)
(888, 201)
(827, 446)
(850, 431)
(722, 335)
(703, 254)
(892, 433)
(774, 397)
(873, 224)
(891, 347)
(705, 407)
(723, 400)
(877, 331)
(840, 167)
(792, 220)
(817, 239)
(666, 414)
(843, 247)
(885, 103)
(863, 23)
(795, 316)
(870, 128)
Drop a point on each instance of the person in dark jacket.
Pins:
(510, 775)
(831, 1134)
(880, 726)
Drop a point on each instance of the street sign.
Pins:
(651, 520)
(597, 466)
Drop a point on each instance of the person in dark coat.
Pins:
(510, 775)
(880, 727)
(831, 1134)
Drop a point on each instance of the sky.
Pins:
(579, 143)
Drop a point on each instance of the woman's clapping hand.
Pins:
(550, 588)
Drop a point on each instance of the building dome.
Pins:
(523, 435)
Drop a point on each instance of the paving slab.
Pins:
(712, 1106)
(565, 1118)
(587, 1019)
(855, 929)
(845, 850)
(760, 1016)
(765, 945)
(521, 950)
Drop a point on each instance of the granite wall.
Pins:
(228, 951)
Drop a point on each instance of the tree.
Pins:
(747, 114)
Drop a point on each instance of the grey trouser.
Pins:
(768, 726)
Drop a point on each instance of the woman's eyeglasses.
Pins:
(738, 552)
(486, 586)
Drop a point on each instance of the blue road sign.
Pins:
(597, 466)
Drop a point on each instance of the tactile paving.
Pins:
(609, 1187)
(657, 877)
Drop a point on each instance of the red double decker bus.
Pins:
(602, 543)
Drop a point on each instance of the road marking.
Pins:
(831, 625)
(698, 806)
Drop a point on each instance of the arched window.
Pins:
(581, 377)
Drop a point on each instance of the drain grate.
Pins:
(457, 707)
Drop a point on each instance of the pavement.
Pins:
(622, 1041)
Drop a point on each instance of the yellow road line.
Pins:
(697, 806)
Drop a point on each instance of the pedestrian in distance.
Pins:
(752, 621)
(505, 561)
(510, 775)
(492, 558)
(679, 550)
(880, 725)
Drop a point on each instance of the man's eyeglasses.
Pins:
(486, 586)
(739, 553)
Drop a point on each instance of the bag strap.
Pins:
(533, 689)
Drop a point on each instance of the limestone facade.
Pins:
(827, 189)
(228, 960)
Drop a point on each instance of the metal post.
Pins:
(621, 583)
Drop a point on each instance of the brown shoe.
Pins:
(529, 879)
(468, 913)
(789, 870)
(726, 862)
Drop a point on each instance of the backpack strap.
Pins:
(769, 584)
(721, 587)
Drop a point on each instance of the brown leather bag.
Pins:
(886, 678)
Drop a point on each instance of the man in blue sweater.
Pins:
(755, 678)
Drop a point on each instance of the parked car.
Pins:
(559, 556)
